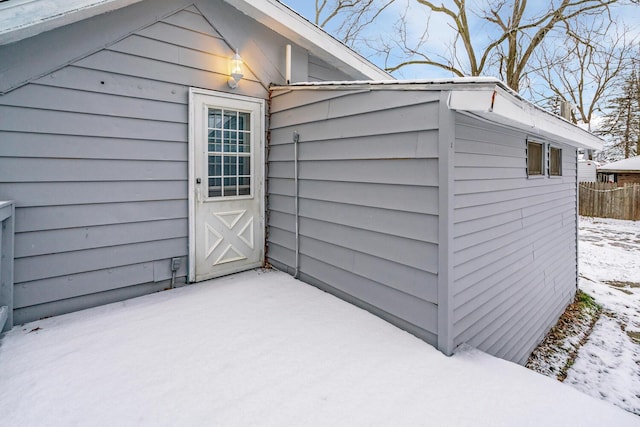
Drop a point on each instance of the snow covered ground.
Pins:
(608, 365)
(260, 348)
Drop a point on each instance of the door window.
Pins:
(229, 153)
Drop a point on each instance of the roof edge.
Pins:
(28, 19)
(631, 164)
(484, 97)
(503, 105)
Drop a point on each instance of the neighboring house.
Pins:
(446, 207)
(622, 172)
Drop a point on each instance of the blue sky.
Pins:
(307, 9)
(438, 36)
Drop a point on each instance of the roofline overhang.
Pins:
(499, 104)
(28, 18)
(486, 98)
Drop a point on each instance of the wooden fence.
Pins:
(606, 200)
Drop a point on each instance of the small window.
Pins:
(555, 161)
(534, 158)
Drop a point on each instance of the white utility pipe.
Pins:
(296, 195)
(287, 60)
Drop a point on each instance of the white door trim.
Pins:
(260, 168)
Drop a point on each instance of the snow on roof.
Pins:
(632, 164)
(261, 348)
(485, 97)
(20, 19)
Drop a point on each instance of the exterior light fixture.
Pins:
(236, 71)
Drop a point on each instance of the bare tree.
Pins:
(348, 18)
(621, 124)
(512, 33)
(582, 65)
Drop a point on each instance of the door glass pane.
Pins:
(230, 141)
(215, 187)
(243, 121)
(215, 118)
(244, 186)
(244, 165)
(230, 186)
(229, 148)
(215, 141)
(230, 166)
(215, 165)
(231, 120)
(244, 142)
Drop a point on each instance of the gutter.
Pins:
(501, 105)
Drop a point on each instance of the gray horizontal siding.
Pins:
(79, 101)
(406, 224)
(31, 194)
(38, 292)
(514, 241)
(368, 206)
(411, 198)
(74, 170)
(75, 239)
(405, 146)
(378, 171)
(64, 263)
(106, 82)
(19, 119)
(91, 299)
(320, 71)
(405, 251)
(384, 272)
(37, 218)
(29, 145)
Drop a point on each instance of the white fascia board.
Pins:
(294, 27)
(23, 19)
(494, 103)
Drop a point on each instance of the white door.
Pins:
(226, 201)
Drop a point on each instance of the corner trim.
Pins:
(446, 149)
